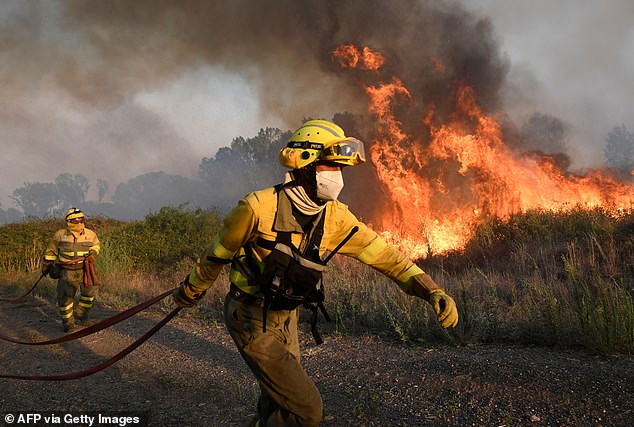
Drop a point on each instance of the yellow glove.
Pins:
(186, 295)
(423, 286)
(445, 308)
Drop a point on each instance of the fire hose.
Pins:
(90, 278)
(18, 298)
(90, 274)
(91, 330)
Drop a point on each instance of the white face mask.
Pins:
(329, 184)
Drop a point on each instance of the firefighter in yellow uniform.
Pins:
(275, 239)
(68, 257)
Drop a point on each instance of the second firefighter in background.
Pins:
(70, 258)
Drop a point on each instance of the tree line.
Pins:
(248, 164)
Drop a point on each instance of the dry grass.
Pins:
(541, 279)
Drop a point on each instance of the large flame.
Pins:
(442, 189)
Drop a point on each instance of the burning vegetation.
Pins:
(449, 172)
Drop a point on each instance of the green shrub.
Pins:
(162, 241)
(22, 244)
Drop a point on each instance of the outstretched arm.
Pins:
(368, 247)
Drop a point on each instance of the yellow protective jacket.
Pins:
(256, 220)
(67, 246)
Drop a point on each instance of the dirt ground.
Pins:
(190, 374)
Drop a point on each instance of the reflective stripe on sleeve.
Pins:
(220, 251)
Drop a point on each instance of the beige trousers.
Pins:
(288, 396)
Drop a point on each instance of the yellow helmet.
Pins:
(321, 140)
(74, 213)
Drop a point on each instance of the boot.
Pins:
(80, 316)
(68, 326)
(66, 313)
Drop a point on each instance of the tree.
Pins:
(619, 150)
(72, 189)
(152, 191)
(43, 199)
(544, 133)
(10, 215)
(102, 188)
(37, 199)
(246, 165)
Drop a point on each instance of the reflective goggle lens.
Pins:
(348, 148)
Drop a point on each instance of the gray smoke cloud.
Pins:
(114, 89)
(572, 60)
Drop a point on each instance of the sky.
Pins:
(112, 90)
(574, 57)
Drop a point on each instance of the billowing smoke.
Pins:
(78, 75)
(283, 47)
(75, 72)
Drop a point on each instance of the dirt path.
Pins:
(189, 374)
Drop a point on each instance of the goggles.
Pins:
(347, 149)
(75, 220)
